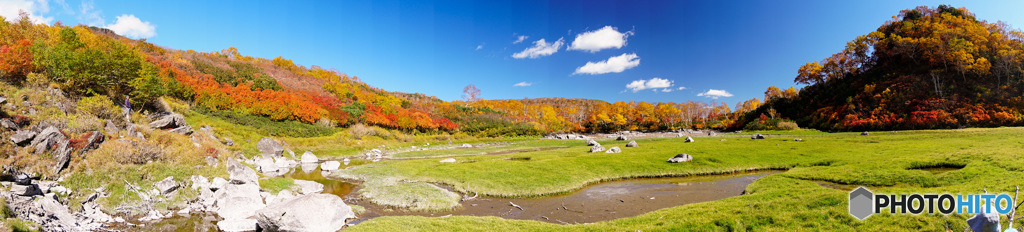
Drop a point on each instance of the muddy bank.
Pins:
(599, 202)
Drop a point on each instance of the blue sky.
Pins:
(439, 47)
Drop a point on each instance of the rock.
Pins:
(111, 128)
(591, 142)
(798, 139)
(309, 187)
(757, 136)
(94, 141)
(621, 138)
(613, 150)
(200, 182)
(346, 161)
(270, 147)
(290, 152)
(133, 131)
(22, 179)
(330, 165)
(23, 137)
(688, 139)
(265, 164)
(448, 161)
(26, 190)
(309, 157)
(632, 144)
(218, 183)
(62, 153)
(43, 141)
(167, 185)
(864, 133)
(210, 161)
(314, 212)
(680, 158)
(597, 148)
(240, 174)
(3, 100)
(985, 222)
(284, 163)
(236, 225)
(169, 121)
(9, 124)
(239, 201)
(466, 145)
(308, 167)
(229, 142)
(185, 130)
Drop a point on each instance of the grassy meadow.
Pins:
(988, 159)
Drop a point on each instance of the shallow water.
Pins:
(599, 202)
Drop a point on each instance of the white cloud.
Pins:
(478, 47)
(606, 37)
(520, 39)
(130, 26)
(540, 48)
(522, 84)
(35, 8)
(682, 87)
(715, 94)
(615, 64)
(653, 83)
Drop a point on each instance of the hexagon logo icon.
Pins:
(861, 201)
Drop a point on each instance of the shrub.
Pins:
(787, 126)
(267, 126)
(100, 106)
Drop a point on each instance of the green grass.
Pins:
(274, 185)
(783, 202)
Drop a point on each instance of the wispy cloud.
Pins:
(540, 48)
(89, 15)
(615, 64)
(682, 87)
(522, 84)
(596, 40)
(715, 94)
(654, 83)
(478, 47)
(35, 9)
(520, 39)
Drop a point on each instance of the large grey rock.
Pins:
(93, 142)
(613, 150)
(680, 158)
(985, 222)
(239, 201)
(61, 153)
(270, 147)
(330, 165)
(622, 138)
(309, 187)
(864, 133)
(111, 128)
(23, 137)
(26, 190)
(597, 148)
(757, 136)
(9, 124)
(168, 122)
(46, 138)
(591, 142)
(218, 183)
(200, 182)
(265, 164)
(688, 139)
(314, 212)
(240, 174)
(448, 161)
(309, 157)
(237, 225)
(632, 144)
(229, 142)
(167, 185)
(185, 130)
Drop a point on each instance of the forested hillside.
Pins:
(88, 61)
(925, 68)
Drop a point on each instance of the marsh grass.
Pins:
(886, 163)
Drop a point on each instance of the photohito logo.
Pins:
(864, 203)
